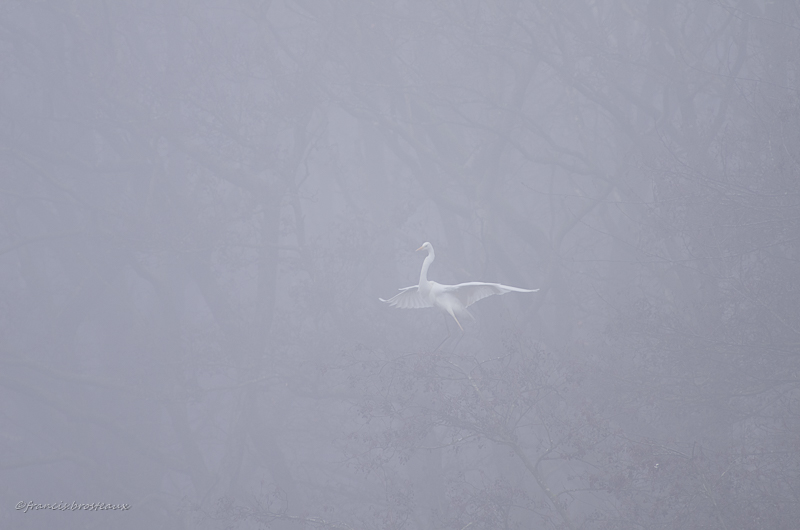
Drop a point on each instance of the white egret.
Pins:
(452, 299)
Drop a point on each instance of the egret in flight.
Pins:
(452, 299)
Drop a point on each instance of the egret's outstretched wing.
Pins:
(408, 298)
(470, 292)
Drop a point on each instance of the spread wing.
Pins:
(408, 298)
(470, 292)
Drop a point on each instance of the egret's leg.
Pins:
(454, 318)
(452, 314)
(446, 325)
(461, 336)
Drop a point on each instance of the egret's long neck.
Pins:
(423, 275)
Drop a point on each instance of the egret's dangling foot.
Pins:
(447, 326)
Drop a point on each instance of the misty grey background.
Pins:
(201, 202)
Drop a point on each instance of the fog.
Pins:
(202, 202)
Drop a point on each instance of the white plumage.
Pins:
(452, 299)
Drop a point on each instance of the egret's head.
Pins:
(425, 246)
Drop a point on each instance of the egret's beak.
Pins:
(420, 248)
